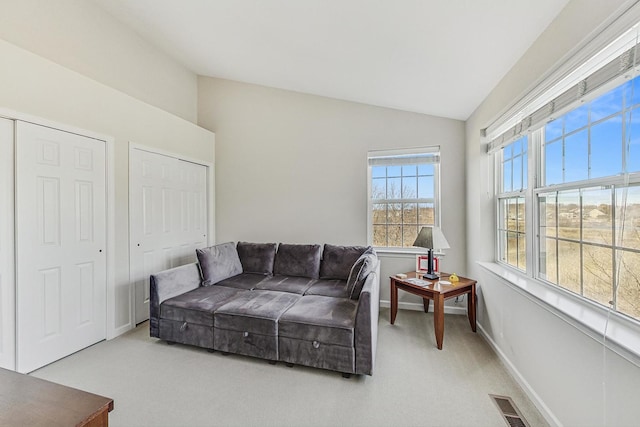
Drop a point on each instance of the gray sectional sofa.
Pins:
(310, 305)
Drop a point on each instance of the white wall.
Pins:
(568, 374)
(293, 167)
(32, 85)
(82, 37)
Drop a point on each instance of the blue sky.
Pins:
(592, 146)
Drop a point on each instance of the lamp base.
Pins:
(431, 276)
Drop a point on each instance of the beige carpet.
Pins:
(414, 384)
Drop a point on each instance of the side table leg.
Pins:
(438, 319)
(425, 303)
(471, 307)
(394, 301)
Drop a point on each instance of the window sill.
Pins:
(616, 332)
(411, 252)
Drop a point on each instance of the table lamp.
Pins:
(431, 238)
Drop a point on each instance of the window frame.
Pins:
(536, 188)
(425, 150)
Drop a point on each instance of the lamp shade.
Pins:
(431, 238)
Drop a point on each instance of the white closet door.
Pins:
(61, 237)
(7, 261)
(168, 217)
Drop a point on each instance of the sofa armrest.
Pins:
(366, 333)
(168, 284)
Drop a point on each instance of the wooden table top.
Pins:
(436, 285)
(31, 401)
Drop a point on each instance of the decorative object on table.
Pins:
(431, 238)
(401, 276)
(454, 278)
(422, 263)
(418, 282)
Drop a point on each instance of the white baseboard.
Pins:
(116, 332)
(419, 307)
(537, 401)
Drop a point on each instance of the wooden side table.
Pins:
(437, 292)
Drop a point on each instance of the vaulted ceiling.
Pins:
(438, 57)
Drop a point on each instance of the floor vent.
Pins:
(509, 411)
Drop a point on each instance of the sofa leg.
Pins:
(225, 353)
(272, 362)
(170, 342)
(346, 375)
(289, 365)
(210, 350)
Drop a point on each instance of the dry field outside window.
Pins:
(584, 262)
(397, 224)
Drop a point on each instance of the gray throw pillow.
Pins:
(298, 260)
(257, 257)
(338, 260)
(218, 262)
(359, 272)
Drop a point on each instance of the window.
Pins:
(584, 188)
(571, 219)
(403, 195)
(511, 204)
(589, 227)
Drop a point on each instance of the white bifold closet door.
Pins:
(60, 244)
(168, 217)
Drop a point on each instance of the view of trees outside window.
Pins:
(512, 232)
(589, 230)
(403, 200)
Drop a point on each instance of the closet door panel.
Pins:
(168, 217)
(61, 244)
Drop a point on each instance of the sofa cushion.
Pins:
(359, 272)
(197, 306)
(257, 257)
(298, 260)
(246, 281)
(329, 288)
(218, 262)
(337, 260)
(255, 311)
(292, 284)
(323, 319)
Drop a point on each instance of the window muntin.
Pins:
(404, 197)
